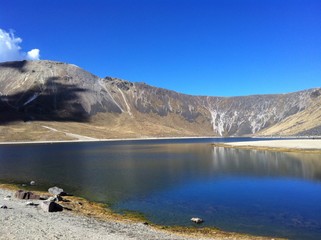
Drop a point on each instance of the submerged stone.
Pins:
(197, 220)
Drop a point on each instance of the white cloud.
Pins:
(10, 49)
(33, 54)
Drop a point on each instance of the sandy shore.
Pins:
(303, 145)
(283, 143)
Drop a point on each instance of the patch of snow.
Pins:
(110, 96)
(127, 105)
(218, 124)
(50, 128)
(33, 97)
(190, 108)
(170, 106)
(74, 65)
(77, 136)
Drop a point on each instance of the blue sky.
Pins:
(199, 47)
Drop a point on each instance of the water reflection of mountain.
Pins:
(266, 163)
(107, 172)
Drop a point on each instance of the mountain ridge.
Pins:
(55, 92)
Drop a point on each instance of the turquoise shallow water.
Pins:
(170, 181)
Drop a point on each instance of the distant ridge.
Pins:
(38, 94)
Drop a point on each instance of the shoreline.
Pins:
(106, 223)
(281, 145)
(164, 138)
(106, 140)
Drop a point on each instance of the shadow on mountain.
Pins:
(18, 65)
(53, 101)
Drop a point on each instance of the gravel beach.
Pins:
(19, 221)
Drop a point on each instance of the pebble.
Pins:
(3, 207)
(31, 204)
(7, 198)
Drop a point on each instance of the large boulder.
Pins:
(21, 194)
(49, 206)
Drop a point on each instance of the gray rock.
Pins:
(21, 194)
(31, 204)
(7, 198)
(51, 199)
(56, 191)
(59, 198)
(49, 206)
(55, 198)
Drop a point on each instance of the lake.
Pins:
(170, 181)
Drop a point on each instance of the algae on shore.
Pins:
(99, 211)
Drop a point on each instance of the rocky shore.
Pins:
(80, 219)
(22, 220)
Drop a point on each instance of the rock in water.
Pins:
(32, 183)
(49, 206)
(197, 220)
(21, 194)
(56, 191)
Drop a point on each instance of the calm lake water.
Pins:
(170, 181)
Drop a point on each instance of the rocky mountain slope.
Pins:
(49, 99)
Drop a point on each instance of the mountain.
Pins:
(46, 100)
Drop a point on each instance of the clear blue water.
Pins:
(170, 181)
